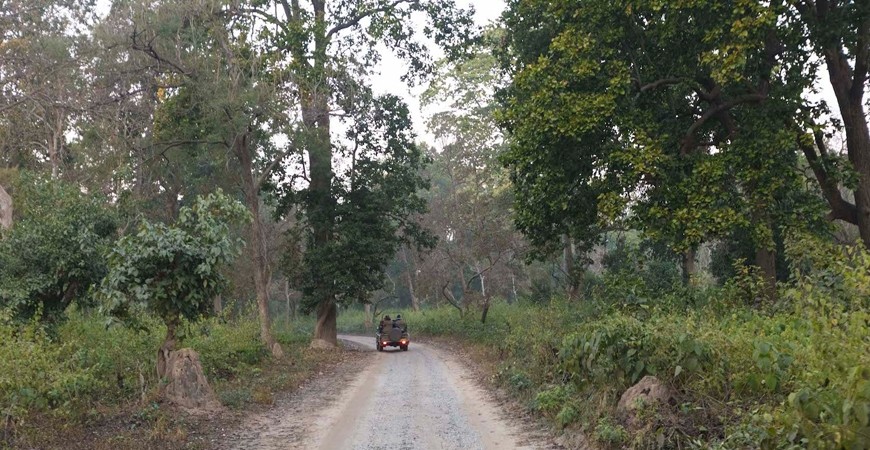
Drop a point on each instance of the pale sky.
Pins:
(388, 81)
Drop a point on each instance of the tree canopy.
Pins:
(683, 120)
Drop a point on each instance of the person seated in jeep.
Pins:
(384, 322)
(400, 323)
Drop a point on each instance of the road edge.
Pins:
(483, 365)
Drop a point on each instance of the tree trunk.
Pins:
(315, 116)
(261, 282)
(369, 320)
(482, 281)
(765, 259)
(690, 268)
(291, 302)
(410, 275)
(167, 347)
(5, 209)
(325, 331)
(56, 143)
(466, 299)
(448, 294)
(858, 143)
(568, 266)
(485, 300)
(848, 86)
(218, 304)
(261, 261)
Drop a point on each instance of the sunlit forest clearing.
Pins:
(643, 223)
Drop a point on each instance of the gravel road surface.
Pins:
(420, 399)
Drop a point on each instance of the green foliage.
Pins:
(379, 201)
(228, 350)
(551, 401)
(609, 432)
(470, 199)
(174, 271)
(54, 253)
(738, 246)
(664, 115)
(635, 273)
(541, 290)
(84, 366)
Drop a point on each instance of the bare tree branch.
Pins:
(658, 83)
(148, 49)
(689, 140)
(274, 163)
(450, 297)
(862, 59)
(840, 208)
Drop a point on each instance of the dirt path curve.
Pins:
(419, 399)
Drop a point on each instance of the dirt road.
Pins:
(420, 399)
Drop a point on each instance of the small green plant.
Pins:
(568, 415)
(236, 398)
(148, 413)
(609, 432)
(520, 381)
(551, 401)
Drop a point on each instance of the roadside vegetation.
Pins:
(93, 387)
(746, 373)
(82, 314)
(84, 375)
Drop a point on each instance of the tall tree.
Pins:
(55, 253)
(42, 55)
(333, 48)
(5, 209)
(200, 49)
(839, 34)
(174, 271)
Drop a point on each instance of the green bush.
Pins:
(228, 349)
(85, 365)
(607, 431)
(174, 272)
(55, 252)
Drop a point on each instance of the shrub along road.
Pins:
(422, 398)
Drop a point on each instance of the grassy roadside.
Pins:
(93, 387)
